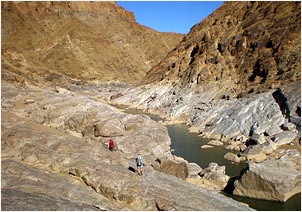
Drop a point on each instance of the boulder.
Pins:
(206, 146)
(288, 126)
(257, 139)
(268, 147)
(234, 145)
(273, 179)
(255, 154)
(232, 157)
(193, 169)
(214, 176)
(285, 137)
(242, 147)
(109, 128)
(171, 166)
(215, 143)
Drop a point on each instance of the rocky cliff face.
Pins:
(243, 47)
(82, 40)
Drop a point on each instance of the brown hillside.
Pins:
(242, 47)
(83, 40)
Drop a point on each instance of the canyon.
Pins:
(234, 78)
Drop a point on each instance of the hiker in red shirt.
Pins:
(111, 145)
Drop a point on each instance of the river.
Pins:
(188, 146)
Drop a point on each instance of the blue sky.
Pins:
(170, 16)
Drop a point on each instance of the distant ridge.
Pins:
(96, 41)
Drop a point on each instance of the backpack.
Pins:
(111, 144)
(139, 160)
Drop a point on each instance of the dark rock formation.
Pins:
(242, 47)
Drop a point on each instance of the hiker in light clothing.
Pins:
(139, 164)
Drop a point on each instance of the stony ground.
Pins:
(54, 157)
(261, 127)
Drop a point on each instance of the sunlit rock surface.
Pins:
(273, 179)
(46, 167)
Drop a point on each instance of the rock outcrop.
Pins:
(242, 47)
(86, 41)
(234, 78)
(48, 164)
(272, 179)
(217, 119)
(212, 177)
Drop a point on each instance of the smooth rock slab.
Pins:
(28, 188)
(237, 117)
(110, 128)
(43, 163)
